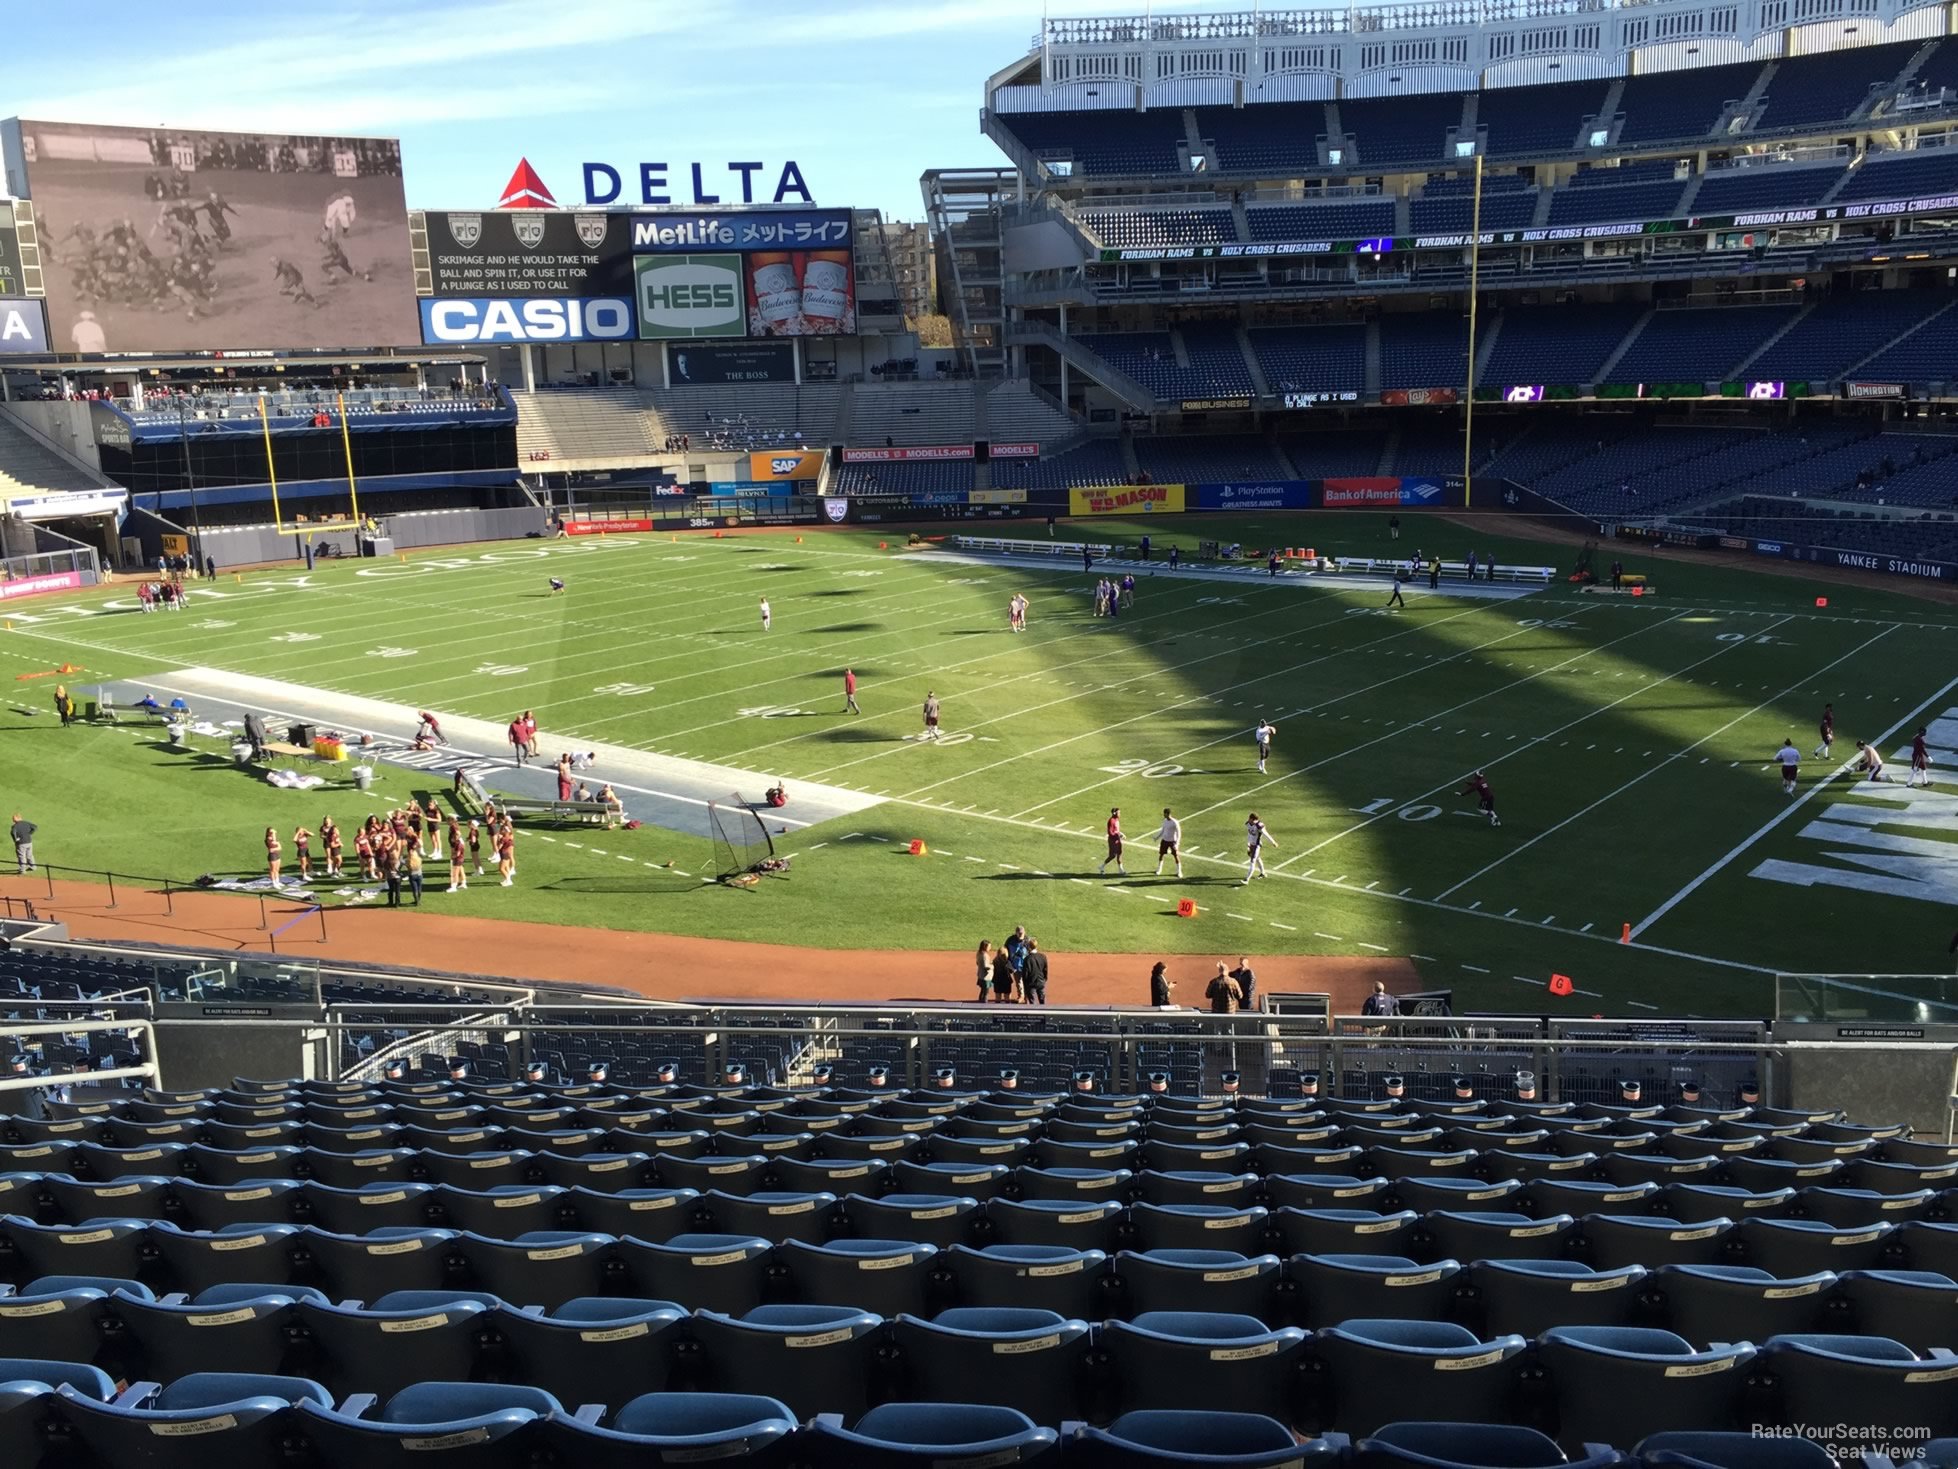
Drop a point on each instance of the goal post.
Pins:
(302, 528)
(742, 845)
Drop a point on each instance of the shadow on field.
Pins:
(651, 884)
(839, 592)
(973, 632)
(855, 735)
(849, 627)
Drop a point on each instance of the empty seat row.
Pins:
(1582, 1384)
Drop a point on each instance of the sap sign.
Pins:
(690, 296)
(485, 319)
(603, 184)
(22, 326)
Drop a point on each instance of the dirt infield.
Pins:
(659, 966)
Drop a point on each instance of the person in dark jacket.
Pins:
(1247, 983)
(1161, 986)
(1033, 974)
(1222, 992)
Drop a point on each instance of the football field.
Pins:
(1628, 744)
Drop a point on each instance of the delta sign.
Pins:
(605, 183)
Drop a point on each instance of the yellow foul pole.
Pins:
(271, 472)
(1475, 276)
(347, 443)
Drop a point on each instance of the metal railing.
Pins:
(149, 1070)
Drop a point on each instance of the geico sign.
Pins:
(576, 319)
(690, 296)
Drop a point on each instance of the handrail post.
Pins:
(112, 889)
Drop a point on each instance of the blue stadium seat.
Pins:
(604, 1350)
(1070, 1185)
(1198, 1227)
(1371, 1370)
(1709, 1303)
(1421, 1445)
(1078, 1226)
(542, 1268)
(941, 1220)
(776, 1217)
(1612, 1382)
(1707, 1450)
(91, 1381)
(652, 1214)
(882, 1276)
(1529, 1297)
(1344, 1231)
(711, 1272)
(1792, 1247)
(1611, 1240)
(390, 1344)
(364, 1210)
(1031, 1360)
(1223, 1281)
(134, 1196)
(818, 1358)
(212, 1206)
(192, 1262)
(1480, 1235)
(1871, 1382)
(1343, 1287)
(1046, 1277)
(64, 1320)
(363, 1267)
(680, 1427)
(929, 1435)
(232, 1328)
(1916, 1307)
(1217, 1440)
(200, 1417)
(1191, 1359)
(478, 1425)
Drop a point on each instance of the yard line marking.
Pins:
(1536, 740)
(1640, 1005)
(980, 860)
(1510, 914)
(1587, 928)
(1424, 958)
(1333, 936)
(818, 846)
(1286, 926)
(1487, 693)
(1082, 880)
(1525, 979)
(1403, 892)
(1477, 904)
(1550, 920)
(1007, 865)
(1196, 699)
(1377, 948)
(1780, 816)
(1652, 770)
(1475, 967)
(1241, 918)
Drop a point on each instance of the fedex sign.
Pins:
(604, 184)
(488, 319)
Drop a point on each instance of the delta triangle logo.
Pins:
(525, 190)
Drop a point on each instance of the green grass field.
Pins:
(1627, 742)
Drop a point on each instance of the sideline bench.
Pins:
(1009, 545)
(1540, 576)
(110, 710)
(581, 812)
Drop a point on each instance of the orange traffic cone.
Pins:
(1186, 908)
(917, 848)
(1625, 934)
(1560, 984)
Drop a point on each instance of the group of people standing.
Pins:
(523, 736)
(1112, 596)
(390, 849)
(1015, 972)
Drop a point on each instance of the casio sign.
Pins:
(480, 319)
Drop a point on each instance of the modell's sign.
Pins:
(914, 451)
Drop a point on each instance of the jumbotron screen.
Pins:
(181, 240)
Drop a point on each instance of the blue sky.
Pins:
(863, 94)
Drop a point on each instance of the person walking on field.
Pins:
(1169, 843)
(517, 739)
(23, 834)
(530, 734)
(767, 617)
(273, 851)
(850, 692)
(390, 860)
(931, 715)
(1114, 844)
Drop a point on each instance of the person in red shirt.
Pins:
(518, 742)
(434, 728)
(458, 874)
(564, 777)
(364, 850)
(330, 839)
(1920, 760)
(1479, 786)
(850, 692)
(1114, 844)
